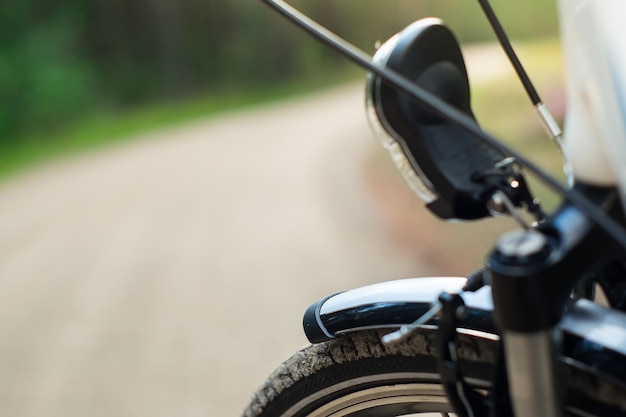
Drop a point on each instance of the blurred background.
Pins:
(78, 60)
(180, 180)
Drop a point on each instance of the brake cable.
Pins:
(549, 123)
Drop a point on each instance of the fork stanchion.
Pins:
(517, 267)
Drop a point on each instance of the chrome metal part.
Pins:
(551, 126)
(501, 204)
(406, 330)
(521, 243)
(505, 163)
(531, 364)
(554, 131)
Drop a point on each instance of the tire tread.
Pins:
(350, 347)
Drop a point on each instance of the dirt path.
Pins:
(168, 276)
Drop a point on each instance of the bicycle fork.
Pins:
(530, 341)
(532, 373)
(533, 273)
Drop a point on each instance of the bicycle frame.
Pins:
(531, 273)
(595, 58)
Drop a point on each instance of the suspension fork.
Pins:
(532, 274)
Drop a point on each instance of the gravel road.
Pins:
(167, 276)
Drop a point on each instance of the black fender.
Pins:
(393, 304)
(589, 331)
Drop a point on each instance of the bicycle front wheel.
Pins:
(356, 375)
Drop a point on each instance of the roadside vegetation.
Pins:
(78, 73)
(111, 126)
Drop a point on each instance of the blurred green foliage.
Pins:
(70, 59)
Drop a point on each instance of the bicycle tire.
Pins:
(356, 375)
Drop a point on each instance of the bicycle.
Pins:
(521, 336)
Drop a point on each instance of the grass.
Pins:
(109, 127)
